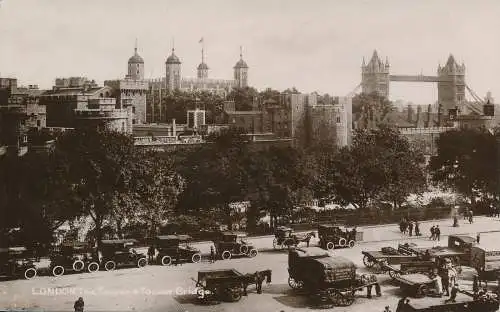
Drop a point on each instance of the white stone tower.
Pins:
(173, 72)
(135, 66)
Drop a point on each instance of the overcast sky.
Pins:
(314, 45)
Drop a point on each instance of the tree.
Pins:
(243, 98)
(379, 165)
(467, 162)
(370, 110)
(99, 167)
(179, 102)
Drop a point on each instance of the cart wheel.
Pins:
(253, 253)
(394, 274)
(110, 265)
(343, 300)
(330, 245)
(196, 258)
(58, 270)
(294, 284)
(342, 242)
(166, 260)
(275, 243)
(351, 243)
(368, 262)
(29, 273)
(243, 249)
(234, 295)
(93, 267)
(422, 290)
(226, 255)
(78, 265)
(142, 262)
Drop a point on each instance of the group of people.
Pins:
(435, 233)
(410, 227)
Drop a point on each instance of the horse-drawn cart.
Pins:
(329, 279)
(227, 284)
(286, 237)
(415, 285)
(464, 302)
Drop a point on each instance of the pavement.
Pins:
(170, 289)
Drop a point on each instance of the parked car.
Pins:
(15, 263)
(75, 257)
(171, 247)
(121, 252)
(229, 244)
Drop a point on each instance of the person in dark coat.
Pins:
(259, 279)
(212, 254)
(178, 257)
(475, 284)
(455, 221)
(478, 237)
(433, 232)
(79, 304)
(417, 229)
(454, 292)
(410, 228)
(437, 231)
(151, 253)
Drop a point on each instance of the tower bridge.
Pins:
(450, 80)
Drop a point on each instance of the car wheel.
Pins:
(78, 265)
(196, 258)
(30, 273)
(142, 262)
(166, 260)
(57, 270)
(253, 253)
(330, 246)
(243, 249)
(93, 267)
(226, 255)
(110, 265)
(352, 243)
(342, 242)
(294, 284)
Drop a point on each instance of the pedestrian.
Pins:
(417, 229)
(151, 253)
(478, 237)
(454, 292)
(178, 257)
(410, 228)
(475, 284)
(212, 254)
(79, 304)
(455, 221)
(438, 284)
(471, 217)
(437, 231)
(433, 232)
(466, 213)
(387, 309)
(445, 281)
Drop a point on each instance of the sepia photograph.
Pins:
(253, 156)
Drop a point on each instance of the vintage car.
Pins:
(229, 244)
(225, 284)
(334, 236)
(331, 278)
(121, 252)
(170, 247)
(486, 262)
(75, 257)
(15, 263)
(286, 237)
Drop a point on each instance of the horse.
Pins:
(303, 238)
(256, 278)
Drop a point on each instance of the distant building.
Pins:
(79, 103)
(133, 89)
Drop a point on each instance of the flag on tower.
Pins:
(201, 40)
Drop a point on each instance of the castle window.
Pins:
(338, 119)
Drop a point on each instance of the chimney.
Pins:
(428, 120)
(174, 128)
(439, 115)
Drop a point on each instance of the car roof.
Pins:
(119, 241)
(174, 237)
(229, 233)
(13, 249)
(284, 228)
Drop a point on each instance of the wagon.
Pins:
(285, 237)
(464, 303)
(229, 244)
(416, 285)
(120, 252)
(486, 262)
(333, 236)
(172, 246)
(224, 284)
(328, 278)
(15, 263)
(74, 257)
(388, 255)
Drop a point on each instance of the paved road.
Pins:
(157, 288)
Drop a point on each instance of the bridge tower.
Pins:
(375, 76)
(451, 85)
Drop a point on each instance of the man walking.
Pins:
(478, 237)
(471, 217)
(151, 253)
(417, 229)
(437, 233)
(410, 228)
(79, 304)
(433, 232)
(212, 254)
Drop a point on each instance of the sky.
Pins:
(313, 45)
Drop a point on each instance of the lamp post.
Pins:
(455, 206)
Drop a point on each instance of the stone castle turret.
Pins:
(375, 76)
(451, 85)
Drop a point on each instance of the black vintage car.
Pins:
(121, 252)
(333, 236)
(15, 263)
(170, 247)
(75, 257)
(229, 244)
